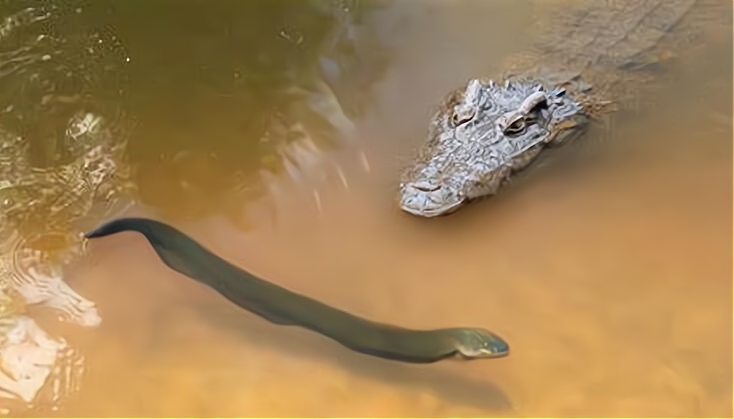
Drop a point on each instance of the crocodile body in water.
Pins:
(490, 130)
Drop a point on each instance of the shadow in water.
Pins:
(296, 342)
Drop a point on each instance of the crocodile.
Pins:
(490, 130)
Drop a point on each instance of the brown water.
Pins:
(611, 280)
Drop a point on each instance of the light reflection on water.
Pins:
(610, 279)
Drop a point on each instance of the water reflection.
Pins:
(234, 96)
(99, 98)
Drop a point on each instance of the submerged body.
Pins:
(489, 131)
(281, 306)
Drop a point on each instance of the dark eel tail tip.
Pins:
(117, 226)
(97, 232)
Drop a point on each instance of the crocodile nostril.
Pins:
(426, 187)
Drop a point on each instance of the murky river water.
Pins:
(610, 277)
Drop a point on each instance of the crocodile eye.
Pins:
(516, 127)
(459, 118)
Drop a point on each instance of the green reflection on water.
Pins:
(176, 104)
(193, 89)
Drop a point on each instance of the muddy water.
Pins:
(609, 276)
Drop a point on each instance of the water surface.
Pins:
(609, 275)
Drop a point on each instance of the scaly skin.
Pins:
(488, 131)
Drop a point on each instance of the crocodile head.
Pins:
(481, 137)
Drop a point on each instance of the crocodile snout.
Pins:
(425, 199)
